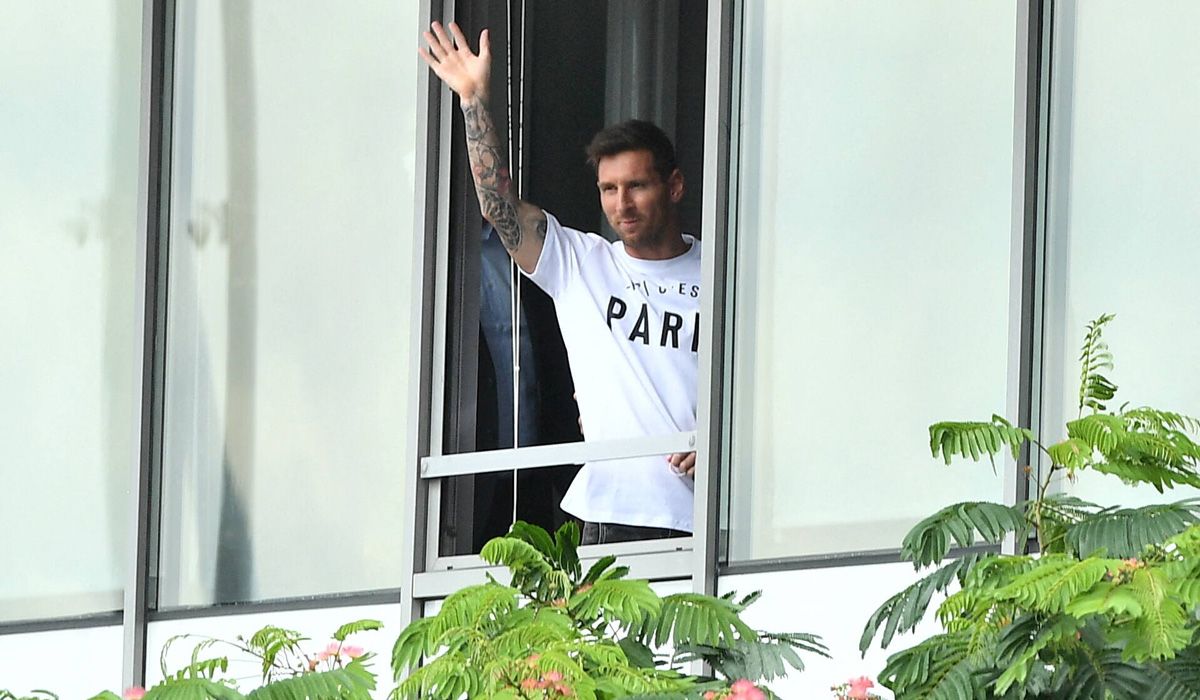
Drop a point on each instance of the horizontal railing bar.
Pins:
(440, 466)
(588, 551)
(658, 566)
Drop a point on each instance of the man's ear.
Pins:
(675, 186)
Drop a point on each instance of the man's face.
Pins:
(638, 203)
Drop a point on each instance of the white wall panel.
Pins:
(834, 603)
(73, 663)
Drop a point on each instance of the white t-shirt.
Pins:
(631, 328)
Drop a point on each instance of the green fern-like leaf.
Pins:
(1100, 672)
(1056, 514)
(1157, 474)
(354, 682)
(533, 572)
(1095, 388)
(566, 541)
(192, 689)
(928, 542)
(203, 668)
(601, 567)
(939, 668)
(536, 631)
(1162, 628)
(1071, 453)
(759, 660)
(905, 610)
(623, 600)
(693, 619)
(1055, 580)
(488, 606)
(474, 607)
(414, 642)
(1020, 645)
(1126, 532)
(271, 641)
(1106, 598)
(625, 682)
(1142, 446)
(1177, 678)
(448, 677)
(355, 627)
(515, 554)
(976, 439)
(1099, 431)
(535, 536)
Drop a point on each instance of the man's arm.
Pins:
(520, 225)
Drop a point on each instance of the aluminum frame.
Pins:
(440, 95)
(436, 464)
(154, 137)
(1026, 269)
(428, 326)
(652, 566)
(711, 392)
(1058, 350)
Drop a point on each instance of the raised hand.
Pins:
(521, 225)
(451, 59)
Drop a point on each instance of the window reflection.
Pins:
(872, 296)
(68, 231)
(287, 394)
(1122, 213)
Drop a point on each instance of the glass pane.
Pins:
(68, 226)
(873, 219)
(290, 299)
(1124, 213)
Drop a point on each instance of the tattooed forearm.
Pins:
(493, 183)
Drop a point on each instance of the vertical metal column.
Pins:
(1028, 235)
(150, 301)
(420, 502)
(710, 415)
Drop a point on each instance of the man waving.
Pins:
(629, 310)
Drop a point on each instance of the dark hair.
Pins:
(634, 135)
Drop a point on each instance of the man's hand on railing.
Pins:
(683, 463)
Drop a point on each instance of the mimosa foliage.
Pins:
(288, 670)
(1108, 609)
(593, 634)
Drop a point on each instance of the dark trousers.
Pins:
(607, 533)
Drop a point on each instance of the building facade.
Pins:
(261, 367)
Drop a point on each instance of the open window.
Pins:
(561, 72)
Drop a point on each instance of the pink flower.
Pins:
(859, 687)
(329, 651)
(745, 690)
(352, 652)
(553, 676)
(134, 693)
